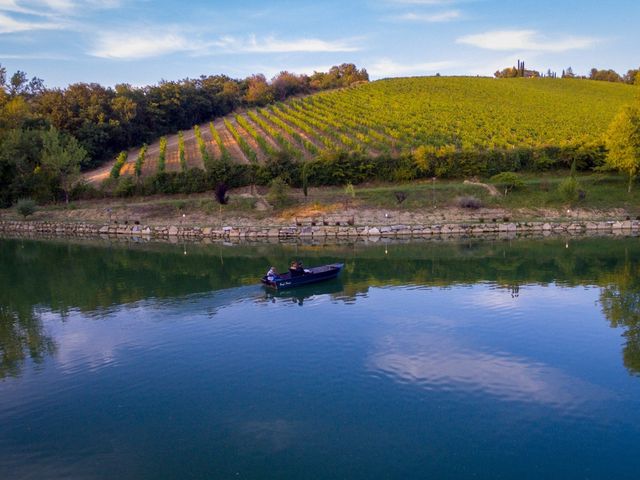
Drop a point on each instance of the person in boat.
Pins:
(296, 269)
(272, 274)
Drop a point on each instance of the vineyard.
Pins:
(432, 118)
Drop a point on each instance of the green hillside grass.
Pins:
(399, 129)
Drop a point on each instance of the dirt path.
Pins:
(493, 191)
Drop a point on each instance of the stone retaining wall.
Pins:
(319, 231)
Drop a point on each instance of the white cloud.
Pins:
(274, 45)
(526, 40)
(388, 68)
(137, 45)
(11, 25)
(55, 7)
(445, 16)
(34, 56)
(154, 43)
(437, 361)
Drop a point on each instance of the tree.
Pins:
(632, 76)
(62, 155)
(623, 141)
(508, 181)
(259, 92)
(26, 207)
(604, 75)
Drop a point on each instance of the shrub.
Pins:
(569, 189)
(26, 207)
(278, 195)
(126, 187)
(469, 202)
(221, 194)
(400, 197)
(508, 181)
(280, 164)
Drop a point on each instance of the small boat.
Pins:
(310, 275)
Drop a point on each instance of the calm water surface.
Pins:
(473, 359)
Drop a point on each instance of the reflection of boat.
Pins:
(309, 275)
(301, 293)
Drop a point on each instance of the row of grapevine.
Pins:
(308, 125)
(274, 133)
(262, 143)
(181, 154)
(140, 160)
(242, 143)
(328, 126)
(224, 153)
(117, 167)
(207, 158)
(162, 155)
(289, 130)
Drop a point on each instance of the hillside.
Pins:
(395, 116)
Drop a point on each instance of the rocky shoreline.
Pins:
(311, 230)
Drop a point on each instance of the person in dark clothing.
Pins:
(296, 269)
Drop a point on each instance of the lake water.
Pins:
(471, 359)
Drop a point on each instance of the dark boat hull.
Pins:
(311, 275)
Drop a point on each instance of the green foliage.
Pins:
(117, 167)
(260, 140)
(508, 181)
(140, 160)
(181, 152)
(62, 156)
(623, 141)
(26, 207)
(569, 189)
(216, 136)
(202, 146)
(162, 156)
(126, 187)
(349, 190)
(278, 195)
(242, 143)
(280, 165)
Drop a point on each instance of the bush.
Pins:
(26, 207)
(569, 189)
(278, 195)
(469, 202)
(508, 181)
(126, 187)
(220, 193)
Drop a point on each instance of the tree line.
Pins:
(92, 122)
(632, 77)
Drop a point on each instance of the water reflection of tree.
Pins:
(620, 301)
(22, 336)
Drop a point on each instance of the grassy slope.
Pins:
(397, 115)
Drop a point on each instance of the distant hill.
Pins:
(396, 116)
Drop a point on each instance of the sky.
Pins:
(141, 42)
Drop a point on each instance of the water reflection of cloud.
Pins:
(440, 362)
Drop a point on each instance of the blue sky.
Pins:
(142, 41)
